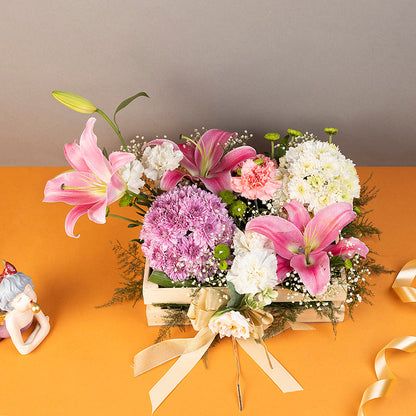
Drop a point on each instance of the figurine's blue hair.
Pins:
(10, 287)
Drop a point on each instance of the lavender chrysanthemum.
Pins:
(182, 229)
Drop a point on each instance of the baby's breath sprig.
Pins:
(240, 139)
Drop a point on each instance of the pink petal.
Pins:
(73, 155)
(170, 179)
(97, 212)
(315, 274)
(219, 182)
(158, 142)
(212, 145)
(348, 247)
(119, 159)
(233, 158)
(297, 214)
(116, 188)
(325, 226)
(188, 161)
(92, 155)
(285, 236)
(85, 194)
(283, 268)
(236, 184)
(72, 218)
(268, 190)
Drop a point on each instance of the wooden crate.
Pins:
(153, 296)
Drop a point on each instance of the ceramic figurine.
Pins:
(18, 310)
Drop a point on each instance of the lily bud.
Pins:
(75, 102)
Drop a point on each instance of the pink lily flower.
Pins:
(94, 182)
(302, 243)
(347, 248)
(205, 161)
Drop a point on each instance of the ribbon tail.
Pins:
(375, 391)
(280, 376)
(385, 376)
(176, 373)
(403, 281)
(158, 354)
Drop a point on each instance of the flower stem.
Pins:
(237, 362)
(140, 209)
(150, 189)
(113, 127)
(124, 218)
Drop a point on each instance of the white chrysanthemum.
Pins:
(159, 159)
(132, 174)
(316, 174)
(300, 189)
(230, 324)
(254, 271)
(250, 240)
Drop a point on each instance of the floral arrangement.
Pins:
(216, 214)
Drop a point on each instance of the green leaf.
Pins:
(137, 240)
(235, 297)
(142, 199)
(127, 101)
(105, 153)
(163, 280)
(281, 150)
(126, 200)
(132, 225)
(221, 311)
(337, 261)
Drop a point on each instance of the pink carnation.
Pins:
(257, 181)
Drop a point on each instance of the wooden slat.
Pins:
(155, 316)
(152, 293)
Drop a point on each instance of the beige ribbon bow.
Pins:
(190, 351)
(385, 376)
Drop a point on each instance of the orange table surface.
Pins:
(84, 366)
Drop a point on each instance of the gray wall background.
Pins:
(257, 65)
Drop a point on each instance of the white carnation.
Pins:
(230, 324)
(254, 271)
(132, 174)
(250, 240)
(159, 159)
